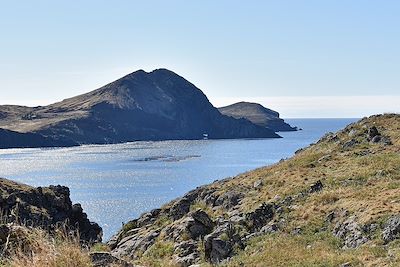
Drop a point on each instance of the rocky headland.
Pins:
(157, 105)
(257, 114)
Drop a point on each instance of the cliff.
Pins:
(257, 114)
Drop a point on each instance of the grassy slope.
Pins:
(363, 180)
(367, 186)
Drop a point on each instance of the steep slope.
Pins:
(140, 106)
(257, 114)
(335, 203)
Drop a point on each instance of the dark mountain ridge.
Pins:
(159, 105)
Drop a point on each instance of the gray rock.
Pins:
(105, 259)
(218, 249)
(258, 184)
(187, 253)
(269, 228)
(260, 217)
(316, 187)
(350, 144)
(201, 224)
(350, 232)
(229, 199)
(220, 243)
(180, 208)
(372, 132)
(138, 242)
(391, 229)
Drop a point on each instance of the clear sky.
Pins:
(331, 58)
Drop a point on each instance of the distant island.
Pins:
(157, 105)
(257, 114)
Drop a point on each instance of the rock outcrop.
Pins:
(158, 105)
(45, 207)
(257, 114)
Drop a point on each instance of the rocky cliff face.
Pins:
(257, 114)
(140, 106)
(45, 207)
(327, 205)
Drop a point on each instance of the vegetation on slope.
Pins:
(335, 202)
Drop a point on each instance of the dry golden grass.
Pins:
(36, 248)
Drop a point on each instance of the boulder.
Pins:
(372, 132)
(350, 232)
(220, 244)
(135, 243)
(187, 253)
(316, 187)
(391, 229)
(260, 217)
(105, 259)
(229, 199)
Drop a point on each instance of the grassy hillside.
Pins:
(334, 203)
(361, 185)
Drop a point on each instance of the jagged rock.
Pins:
(229, 199)
(145, 219)
(350, 232)
(261, 216)
(391, 229)
(201, 224)
(350, 144)
(105, 259)
(138, 242)
(4, 231)
(372, 132)
(180, 208)
(381, 139)
(316, 187)
(218, 249)
(187, 253)
(220, 243)
(46, 207)
(269, 228)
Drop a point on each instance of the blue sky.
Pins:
(332, 58)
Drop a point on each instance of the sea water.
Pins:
(116, 183)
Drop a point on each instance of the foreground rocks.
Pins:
(45, 207)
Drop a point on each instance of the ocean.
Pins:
(116, 183)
